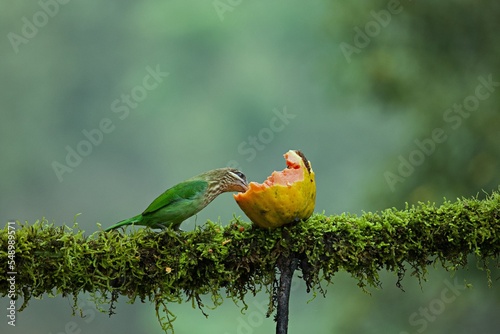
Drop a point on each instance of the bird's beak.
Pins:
(242, 186)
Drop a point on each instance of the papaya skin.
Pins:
(284, 197)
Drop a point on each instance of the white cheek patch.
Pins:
(238, 177)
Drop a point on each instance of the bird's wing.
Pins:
(183, 191)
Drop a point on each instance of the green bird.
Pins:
(187, 198)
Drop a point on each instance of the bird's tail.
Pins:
(130, 221)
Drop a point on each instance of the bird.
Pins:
(187, 198)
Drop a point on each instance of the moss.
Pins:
(172, 267)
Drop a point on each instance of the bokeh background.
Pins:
(356, 85)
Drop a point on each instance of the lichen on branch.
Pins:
(237, 259)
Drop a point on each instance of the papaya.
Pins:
(284, 197)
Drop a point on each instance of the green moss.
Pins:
(173, 267)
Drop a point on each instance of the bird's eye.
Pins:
(240, 174)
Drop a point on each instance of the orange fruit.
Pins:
(284, 197)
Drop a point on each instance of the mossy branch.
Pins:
(171, 266)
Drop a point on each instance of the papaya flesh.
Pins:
(284, 197)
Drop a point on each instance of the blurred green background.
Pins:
(362, 88)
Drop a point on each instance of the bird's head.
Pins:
(228, 179)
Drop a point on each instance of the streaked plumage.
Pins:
(187, 198)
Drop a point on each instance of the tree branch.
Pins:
(286, 266)
(171, 266)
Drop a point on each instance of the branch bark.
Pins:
(286, 266)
